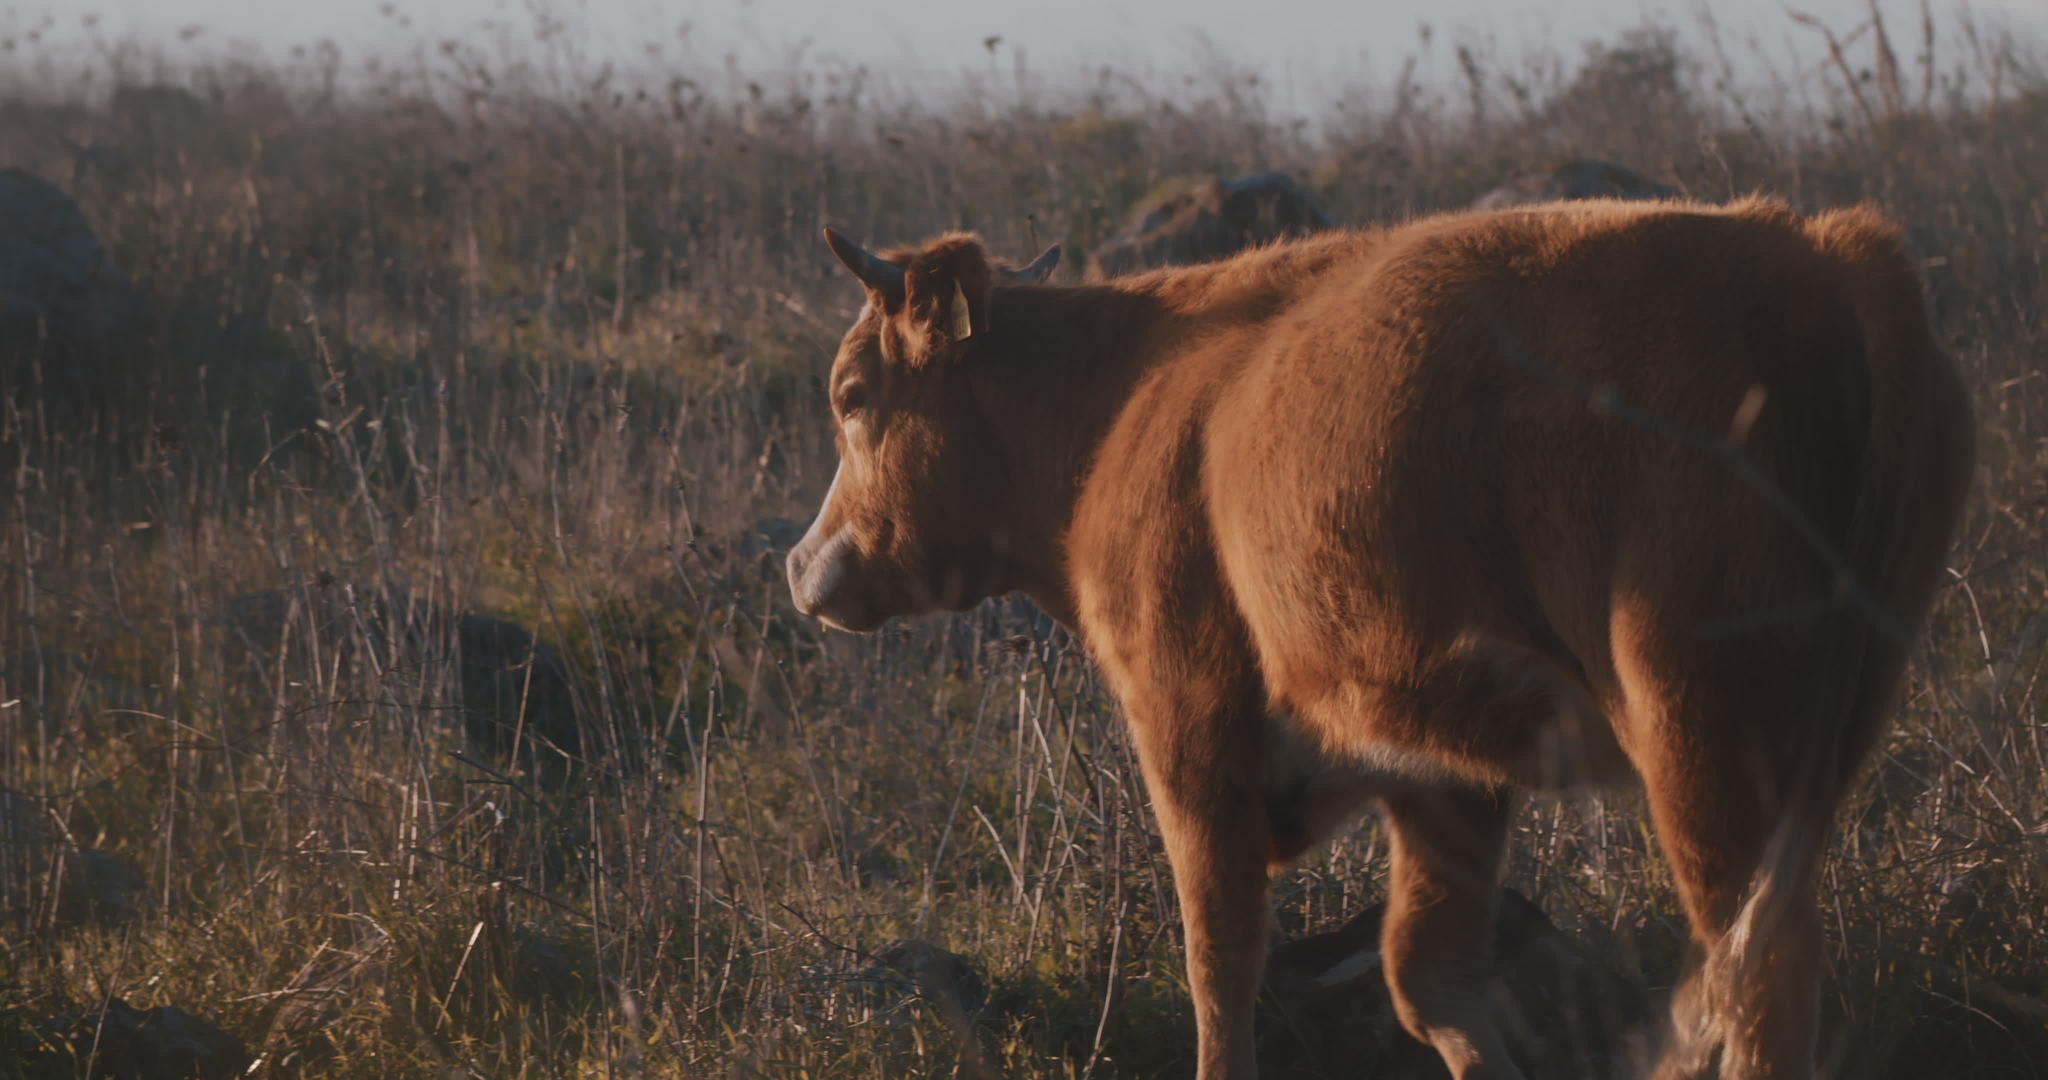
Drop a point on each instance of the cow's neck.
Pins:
(1070, 359)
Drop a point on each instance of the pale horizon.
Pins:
(1301, 57)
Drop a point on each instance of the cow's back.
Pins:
(1435, 482)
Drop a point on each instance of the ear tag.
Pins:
(963, 325)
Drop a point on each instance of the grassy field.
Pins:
(489, 338)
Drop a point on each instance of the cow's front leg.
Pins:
(1200, 744)
(1436, 940)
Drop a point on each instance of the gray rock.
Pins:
(21, 820)
(898, 974)
(166, 122)
(99, 887)
(1562, 1013)
(99, 161)
(49, 678)
(545, 969)
(895, 983)
(1208, 220)
(94, 352)
(93, 886)
(162, 1043)
(55, 277)
(935, 974)
(156, 103)
(516, 691)
(771, 538)
(1579, 178)
(24, 847)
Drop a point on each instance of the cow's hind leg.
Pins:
(1743, 820)
(1437, 940)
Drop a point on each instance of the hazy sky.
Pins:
(1299, 47)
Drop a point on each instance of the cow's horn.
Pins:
(877, 274)
(1041, 267)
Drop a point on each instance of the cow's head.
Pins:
(913, 522)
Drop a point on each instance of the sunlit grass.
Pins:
(563, 344)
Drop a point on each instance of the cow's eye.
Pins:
(853, 397)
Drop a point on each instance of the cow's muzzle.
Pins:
(824, 586)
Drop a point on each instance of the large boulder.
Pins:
(769, 540)
(91, 886)
(516, 691)
(24, 845)
(1579, 178)
(161, 1043)
(44, 678)
(92, 353)
(56, 281)
(887, 989)
(893, 977)
(1207, 220)
(516, 688)
(99, 887)
(157, 105)
(1561, 1012)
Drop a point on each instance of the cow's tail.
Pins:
(1918, 456)
(1916, 464)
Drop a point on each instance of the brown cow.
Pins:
(1429, 514)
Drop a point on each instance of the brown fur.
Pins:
(1482, 502)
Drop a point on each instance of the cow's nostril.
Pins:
(794, 568)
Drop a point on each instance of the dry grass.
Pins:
(567, 338)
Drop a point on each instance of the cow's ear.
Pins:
(946, 293)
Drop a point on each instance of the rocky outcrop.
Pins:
(56, 280)
(99, 887)
(46, 879)
(45, 677)
(1208, 220)
(1562, 1013)
(517, 693)
(1580, 178)
(83, 350)
(895, 975)
(161, 1043)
